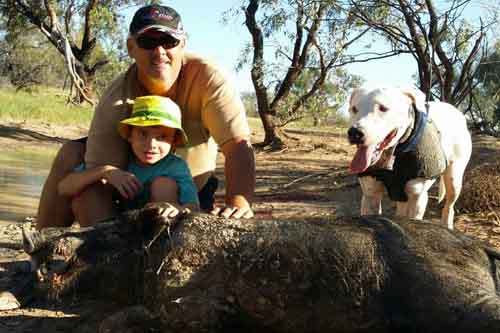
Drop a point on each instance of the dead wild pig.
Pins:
(207, 274)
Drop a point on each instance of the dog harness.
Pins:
(420, 155)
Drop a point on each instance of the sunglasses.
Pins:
(150, 42)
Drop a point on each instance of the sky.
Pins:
(208, 36)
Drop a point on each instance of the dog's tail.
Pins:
(442, 189)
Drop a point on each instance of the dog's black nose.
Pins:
(355, 136)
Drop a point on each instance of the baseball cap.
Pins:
(153, 111)
(159, 18)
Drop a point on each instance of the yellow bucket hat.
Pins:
(153, 111)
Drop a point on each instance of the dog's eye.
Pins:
(354, 109)
(383, 108)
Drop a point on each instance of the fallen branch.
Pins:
(313, 175)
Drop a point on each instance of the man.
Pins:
(212, 114)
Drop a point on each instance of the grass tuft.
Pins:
(45, 106)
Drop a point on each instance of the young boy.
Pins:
(154, 173)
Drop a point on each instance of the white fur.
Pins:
(376, 113)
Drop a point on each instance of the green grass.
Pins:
(255, 123)
(43, 106)
(50, 106)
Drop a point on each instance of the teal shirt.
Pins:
(170, 166)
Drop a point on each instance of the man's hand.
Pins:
(238, 208)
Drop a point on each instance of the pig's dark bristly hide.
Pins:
(200, 273)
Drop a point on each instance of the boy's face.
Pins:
(151, 144)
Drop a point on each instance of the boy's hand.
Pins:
(125, 182)
(169, 210)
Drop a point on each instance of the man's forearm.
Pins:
(239, 170)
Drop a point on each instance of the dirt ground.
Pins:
(307, 181)
(311, 180)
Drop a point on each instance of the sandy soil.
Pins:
(309, 181)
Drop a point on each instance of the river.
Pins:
(22, 175)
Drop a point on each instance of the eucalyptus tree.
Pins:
(74, 28)
(307, 37)
(28, 60)
(446, 46)
(484, 102)
(326, 103)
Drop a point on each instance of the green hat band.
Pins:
(156, 114)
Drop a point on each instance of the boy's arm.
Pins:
(125, 182)
(188, 193)
(77, 181)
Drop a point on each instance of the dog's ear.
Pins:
(416, 96)
(354, 93)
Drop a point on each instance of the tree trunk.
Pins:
(272, 133)
(87, 92)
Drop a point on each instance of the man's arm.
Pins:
(239, 170)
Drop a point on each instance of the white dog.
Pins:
(393, 129)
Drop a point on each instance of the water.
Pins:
(22, 175)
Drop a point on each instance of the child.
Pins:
(154, 173)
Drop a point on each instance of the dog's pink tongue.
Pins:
(362, 158)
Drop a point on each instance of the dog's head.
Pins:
(379, 118)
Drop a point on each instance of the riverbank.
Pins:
(20, 135)
(27, 151)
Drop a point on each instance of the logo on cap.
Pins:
(157, 17)
(155, 13)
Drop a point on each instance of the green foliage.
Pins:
(46, 106)
(28, 60)
(105, 21)
(275, 17)
(250, 103)
(487, 92)
(108, 73)
(93, 38)
(278, 20)
(324, 106)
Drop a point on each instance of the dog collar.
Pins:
(419, 122)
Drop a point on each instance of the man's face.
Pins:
(159, 59)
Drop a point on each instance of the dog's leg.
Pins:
(417, 189)
(373, 191)
(453, 185)
(401, 209)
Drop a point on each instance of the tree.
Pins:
(325, 104)
(445, 46)
(484, 102)
(28, 60)
(307, 35)
(73, 27)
